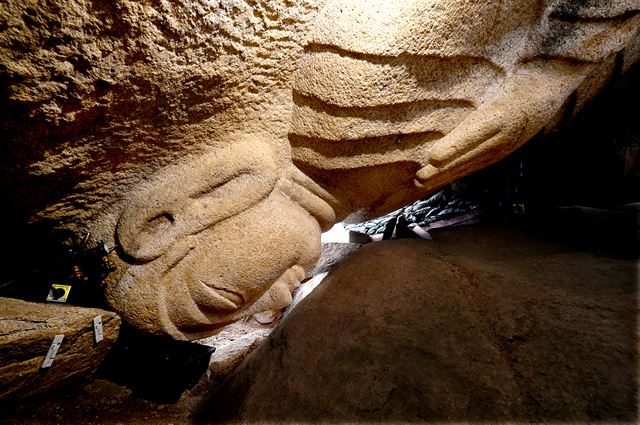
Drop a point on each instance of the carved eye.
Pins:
(190, 196)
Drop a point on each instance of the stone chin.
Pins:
(215, 239)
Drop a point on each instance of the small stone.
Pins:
(26, 332)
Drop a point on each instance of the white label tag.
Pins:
(53, 350)
(97, 329)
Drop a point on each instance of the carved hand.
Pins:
(528, 100)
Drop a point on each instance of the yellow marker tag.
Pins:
(59, 293)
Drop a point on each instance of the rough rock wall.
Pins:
(96, 95)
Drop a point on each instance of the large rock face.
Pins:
(97, 95)
(490, 324)
(166, 127)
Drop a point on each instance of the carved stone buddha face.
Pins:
(215, 239)
(391, 100)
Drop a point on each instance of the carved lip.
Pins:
(233, 301)
(222, 306)
(295, 274)
(224, 297)
(235, 298)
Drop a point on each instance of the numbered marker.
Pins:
(53, 350)
(97, 329)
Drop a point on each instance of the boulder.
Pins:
(481, 324)
(27, 330)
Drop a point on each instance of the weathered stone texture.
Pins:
(26, 332)
(96, 95)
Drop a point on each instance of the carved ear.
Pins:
(147, 229)
(189, 197)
